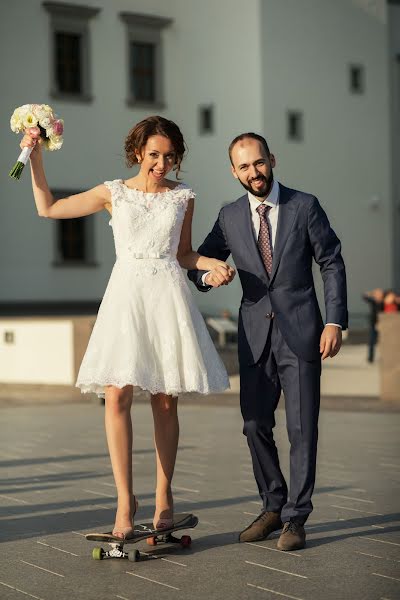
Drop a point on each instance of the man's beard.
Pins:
(265, 190)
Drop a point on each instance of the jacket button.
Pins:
(269, 315)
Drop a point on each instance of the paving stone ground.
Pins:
(56, 484)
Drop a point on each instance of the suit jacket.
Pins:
(303, 234)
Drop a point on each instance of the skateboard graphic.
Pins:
(143, 531)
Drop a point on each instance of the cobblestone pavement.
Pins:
(56, 484)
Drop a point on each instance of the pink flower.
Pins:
(58, 127)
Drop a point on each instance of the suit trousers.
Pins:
(279, 369)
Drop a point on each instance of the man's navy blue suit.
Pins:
(280, 326)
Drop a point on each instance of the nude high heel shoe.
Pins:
(164, 524)
(125, 533)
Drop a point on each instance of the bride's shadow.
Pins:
(200, 543)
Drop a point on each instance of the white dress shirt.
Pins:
(271, 200)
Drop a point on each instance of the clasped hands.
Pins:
(220, 274)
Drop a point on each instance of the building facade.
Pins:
(319, 78)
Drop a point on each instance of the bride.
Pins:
(149, 332)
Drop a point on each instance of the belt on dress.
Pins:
(144, 255)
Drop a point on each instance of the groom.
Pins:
(273, 234)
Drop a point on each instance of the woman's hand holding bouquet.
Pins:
(42, 128)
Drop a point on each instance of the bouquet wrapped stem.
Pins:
(22, 159)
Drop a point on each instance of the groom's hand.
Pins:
(331, 341)
(220, 275)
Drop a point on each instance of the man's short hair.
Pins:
(251, 135)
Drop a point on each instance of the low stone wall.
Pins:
(389, 341)
(42, 353)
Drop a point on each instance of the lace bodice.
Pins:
(147, 225)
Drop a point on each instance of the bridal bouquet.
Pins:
(42, 122)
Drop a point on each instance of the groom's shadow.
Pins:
(340, 527)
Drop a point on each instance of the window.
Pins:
(357, 79)
(145, 59)
(143, 72)
(74, 243)
(206, 118)
(295, 128)
(70, 60)
(9, 337)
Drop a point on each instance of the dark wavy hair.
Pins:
(137, 138)
(251, 135)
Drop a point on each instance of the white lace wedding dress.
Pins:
(149, 332)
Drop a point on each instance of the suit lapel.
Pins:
(244, 226)
(286, 215)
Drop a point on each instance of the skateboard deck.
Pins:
(142, 531)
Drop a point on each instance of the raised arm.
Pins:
(78, 205)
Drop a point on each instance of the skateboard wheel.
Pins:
(186, 541)
(97, 553)
(151, 541)
(134, 555)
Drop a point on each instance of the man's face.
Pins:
(253, 167)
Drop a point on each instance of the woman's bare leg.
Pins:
(119, 438)
(166, 436)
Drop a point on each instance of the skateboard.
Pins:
(143, 531)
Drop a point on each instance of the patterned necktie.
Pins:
(264, 239)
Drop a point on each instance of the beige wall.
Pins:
(42, 351)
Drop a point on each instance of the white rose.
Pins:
(55, 143)
(29, 119)
(45, 122)
(16, 122)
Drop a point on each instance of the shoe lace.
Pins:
(262, 517)
(292, 526)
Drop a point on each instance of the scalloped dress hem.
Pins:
(98, 389)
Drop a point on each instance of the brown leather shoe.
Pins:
(260, 528)
(293, 537)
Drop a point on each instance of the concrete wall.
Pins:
(253, 62)
(200, 68)
(345, 156)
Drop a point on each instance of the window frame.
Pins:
(145, 29)
(74, 19)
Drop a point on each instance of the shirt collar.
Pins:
(271, 200)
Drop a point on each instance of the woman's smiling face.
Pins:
(158, 157)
